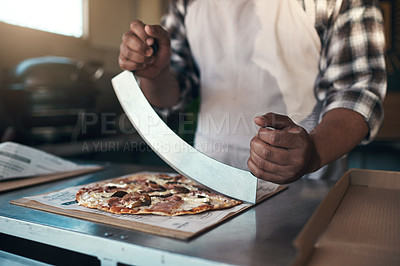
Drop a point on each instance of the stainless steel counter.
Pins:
(262, 235)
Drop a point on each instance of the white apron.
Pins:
(255, 57)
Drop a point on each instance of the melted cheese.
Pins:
(118, 185)
(191, 202)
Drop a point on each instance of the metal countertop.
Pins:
(262, 235)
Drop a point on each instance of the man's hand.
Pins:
(137, 53)
(282, 151)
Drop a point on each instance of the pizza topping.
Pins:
(152, 187)
(174, 198)
(164, 176)
(135, 199)
(160, 194)
(178, 178)
(195, 202)
(177, 187)
(173, 182)
(156, 187)
(91, 189)
(181, 189)
(201, 188)
(119, 194)
(113, 201)
(116, 185)
(168, 205)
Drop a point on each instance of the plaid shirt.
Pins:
(352, 65)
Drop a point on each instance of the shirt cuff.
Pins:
(364, 102)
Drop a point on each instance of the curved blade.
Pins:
(176, 152)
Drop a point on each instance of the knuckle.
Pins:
(299, 128)
(257, 172)
(249, 163)
(138, 46)
(289, 120)
(266, 154)
(125, 36)
(125, 53)
(253, 142)
(122, 64)
(269, 115)
(122, 49)
(259, 163)
(135, 23)
(253, 168)
(276, 138)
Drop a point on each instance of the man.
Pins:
(310, 74)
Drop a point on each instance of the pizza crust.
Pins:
(152, 193)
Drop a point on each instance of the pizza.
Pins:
(152, 193)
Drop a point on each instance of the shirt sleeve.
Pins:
(353, 73)
(183, 65)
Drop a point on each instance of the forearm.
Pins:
(162, 91)
(338, 133)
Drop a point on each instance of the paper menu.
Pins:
(18, 161)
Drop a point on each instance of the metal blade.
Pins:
(185, 159)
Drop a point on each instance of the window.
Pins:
(57, 16)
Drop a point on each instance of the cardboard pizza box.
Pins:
(358, 223)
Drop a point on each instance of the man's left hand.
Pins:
(282, 151)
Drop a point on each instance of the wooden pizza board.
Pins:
(100, 218)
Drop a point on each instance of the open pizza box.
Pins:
(358, 223)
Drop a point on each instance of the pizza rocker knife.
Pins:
(181, 156)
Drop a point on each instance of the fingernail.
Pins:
(148, 52)
(151, 29)
(259, 117)
(150, 41)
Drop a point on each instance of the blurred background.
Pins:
(57, 61)
(57, 58)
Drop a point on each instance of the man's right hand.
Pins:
(136, 51)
